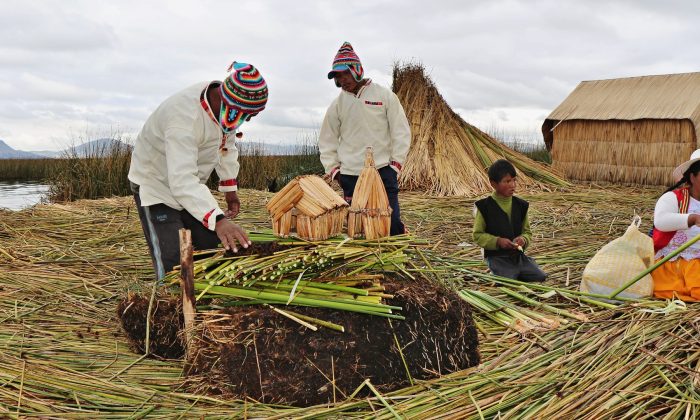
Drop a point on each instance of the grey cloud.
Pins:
(113, 63)
(46, 26)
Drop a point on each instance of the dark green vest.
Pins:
(498, 224)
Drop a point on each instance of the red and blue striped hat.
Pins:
(243, 95)
(346, 59)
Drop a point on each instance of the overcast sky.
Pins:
(72, 69)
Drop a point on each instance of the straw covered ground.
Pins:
(546, 351)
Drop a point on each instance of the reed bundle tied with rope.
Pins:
(448, 156)
(308, 207)
(370, 214)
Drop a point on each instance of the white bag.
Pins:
(620, 261)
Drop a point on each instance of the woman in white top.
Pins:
(677, 220)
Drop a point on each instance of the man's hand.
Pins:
(694, 219)
(230, 234)
(233, 203)
(505, 243)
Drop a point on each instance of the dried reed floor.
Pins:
(63, 268)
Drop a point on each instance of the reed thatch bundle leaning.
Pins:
(370, 214)
(448, 156)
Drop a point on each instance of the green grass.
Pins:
(26, 169)
(529, 143)
(536, 152)
(94, 174)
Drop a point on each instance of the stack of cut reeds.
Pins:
(449, 156)
(370, 214)
(339, 275)
(308, 206)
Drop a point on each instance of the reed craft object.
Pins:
(308, 207)
(370, 214)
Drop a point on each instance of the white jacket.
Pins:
(373, 117)
(175, 153)
(668, 219)
(666, 214)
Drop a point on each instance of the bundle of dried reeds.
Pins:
(370, 214)
(308, 206)
(448, 156)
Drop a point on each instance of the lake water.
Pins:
(22, 194)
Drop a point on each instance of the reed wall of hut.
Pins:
(640, 152)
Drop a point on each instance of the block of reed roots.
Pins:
(308, 208)
(253, 352)
(369, 214)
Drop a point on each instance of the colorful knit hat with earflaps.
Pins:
(346, 59)
(243, 95)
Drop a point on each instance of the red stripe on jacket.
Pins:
(205, 221)
(228, 183)
(661, 239)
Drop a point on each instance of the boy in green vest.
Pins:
(502, 228)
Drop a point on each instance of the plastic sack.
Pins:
(620, 261)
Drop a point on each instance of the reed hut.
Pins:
(309, 207)
(633, 130)
(448, 156)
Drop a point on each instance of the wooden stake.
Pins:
(187, 283)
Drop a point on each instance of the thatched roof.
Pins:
(667, 96)
(448, 156)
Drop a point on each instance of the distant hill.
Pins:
(7, 152)
(269, 149)
(91, 148)
(106, 145)
(97, 147)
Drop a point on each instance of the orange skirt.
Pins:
(679, 279)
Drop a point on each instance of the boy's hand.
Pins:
(505, 243)
(520, 241)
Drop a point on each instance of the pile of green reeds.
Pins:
(338, 274)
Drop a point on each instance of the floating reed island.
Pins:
(252, 352)
(448, 156)
(308, 323)
(546, 351)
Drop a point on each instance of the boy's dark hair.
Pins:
(500, 169)
(693, 169)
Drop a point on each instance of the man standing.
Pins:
(364, 114)
(187, 137)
